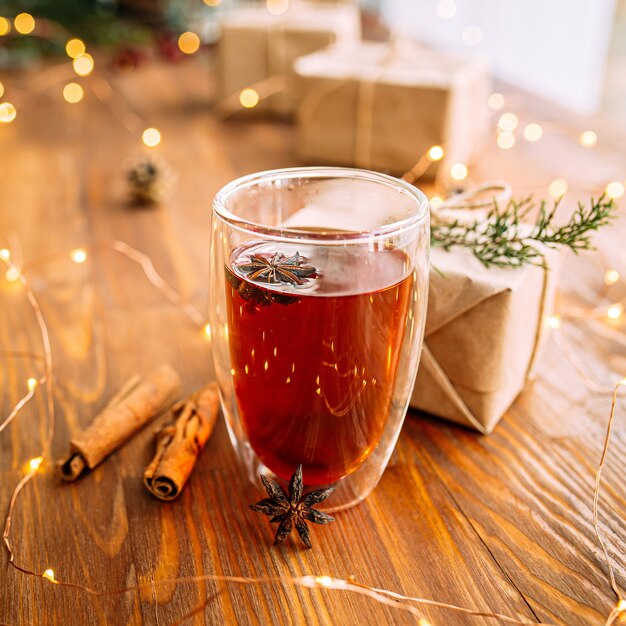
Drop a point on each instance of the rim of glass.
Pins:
(250, 180)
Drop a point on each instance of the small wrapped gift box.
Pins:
(382, 106)
(483, 335)
(256, 45)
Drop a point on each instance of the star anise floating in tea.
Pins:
(278, 269)
(292, 509)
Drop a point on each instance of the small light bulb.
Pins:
(24, 23)
(7, 112)
(1, 90)
(74, 48)
(49, 574)
(614, 312)
(611, 277)
(621, 605)
(557, 188)
(614, 190)
(458, 171)
(446, 9)
(505, 140)
(248, 98)
(12, 274)
(5, 254)
(189, 43)
(151, 137)
(31, 383)
(423, 622)
(508, 122)
(588, 139)
(83, 64)
(435, 153)
(207, 330)
(472, 35)
(324, 581)
(533, 132)
(496, 101)
(277, 7)
(5, 26)
(35, 464)
(554, 321)
(73, 93)
(436, 202)
(79, 255)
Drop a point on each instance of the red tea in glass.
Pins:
(314, 365)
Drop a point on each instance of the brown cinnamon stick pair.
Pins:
(178, 442)
(138, 402)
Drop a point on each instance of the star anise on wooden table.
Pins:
(292, 509)
(278, 269)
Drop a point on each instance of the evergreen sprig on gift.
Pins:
(504, 239)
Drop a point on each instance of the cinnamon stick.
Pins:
(137, 402)
(179, 442)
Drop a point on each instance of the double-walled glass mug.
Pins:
(319, 280)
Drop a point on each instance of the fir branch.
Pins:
(503, 239)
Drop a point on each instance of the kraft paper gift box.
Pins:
(256, 45)
(380, 106)
(484, 331)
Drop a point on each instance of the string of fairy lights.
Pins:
(509, 132)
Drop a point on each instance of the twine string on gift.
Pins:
(382, 596)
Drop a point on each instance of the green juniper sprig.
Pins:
(503, 239)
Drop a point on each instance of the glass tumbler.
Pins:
(319, 281)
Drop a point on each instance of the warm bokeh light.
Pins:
(78, 255)
(248, 98)
(436, 202)
(189, 42)
(73, 93)
(324, 581)
(7, 112)
(446, 9)
(472, 35)
(5, 26)
(35, 463)
(49, 574)
(557, 188)
(508, 122)
(24, 23)
(615, 190)
(505, 140)
(611, 277)
(588, 139)
(435, 153)
(533, 132)
(458, 171)
(12, 274)
(212, 3)
(554, 321)
(614, 312)
(277, 7)
(31, 383)
(74, 48)
(207, 330)
(496, 101)
(83, 64)
(5, 254)
(1, 90)
(151, 137)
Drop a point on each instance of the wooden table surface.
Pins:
(499, 523)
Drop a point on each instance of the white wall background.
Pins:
(554, 48)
